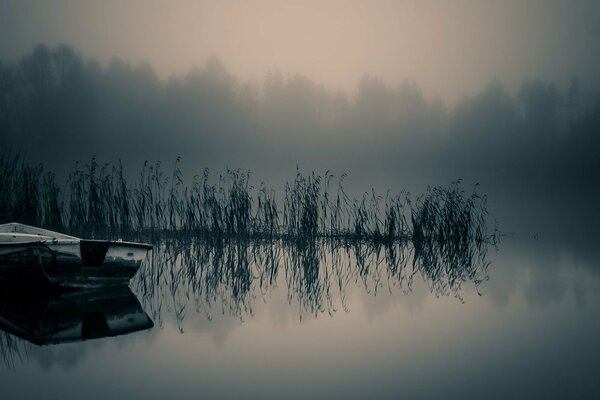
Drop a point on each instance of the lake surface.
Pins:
(516, 320)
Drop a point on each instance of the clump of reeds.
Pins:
(99, 201)
(448, 215)
(301, 212)
(21, 190)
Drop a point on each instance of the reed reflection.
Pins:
(13, 350)
(228, 276)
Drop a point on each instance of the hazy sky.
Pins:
(451, 48)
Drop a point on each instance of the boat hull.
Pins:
(25, 264)
(87, 264)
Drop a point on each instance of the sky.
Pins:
(449, 48)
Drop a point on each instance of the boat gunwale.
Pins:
(51, 241)
(45, 236)
(25, 244)
(11, 228)
(120, 243)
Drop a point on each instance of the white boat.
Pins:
(30, 255)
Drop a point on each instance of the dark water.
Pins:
(311, 320)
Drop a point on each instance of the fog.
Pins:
(58, 103)
(451, 48)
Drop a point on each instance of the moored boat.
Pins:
(30, 255)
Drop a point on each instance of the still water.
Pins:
(519, 319)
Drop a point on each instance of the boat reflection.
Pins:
(53, 317)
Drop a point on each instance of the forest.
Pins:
(58, 108)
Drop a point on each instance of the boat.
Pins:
(36, 256)
(53, 316)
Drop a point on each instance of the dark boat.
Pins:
(30, 255)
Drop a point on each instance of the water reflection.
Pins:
(53, 317)
(230, 276)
